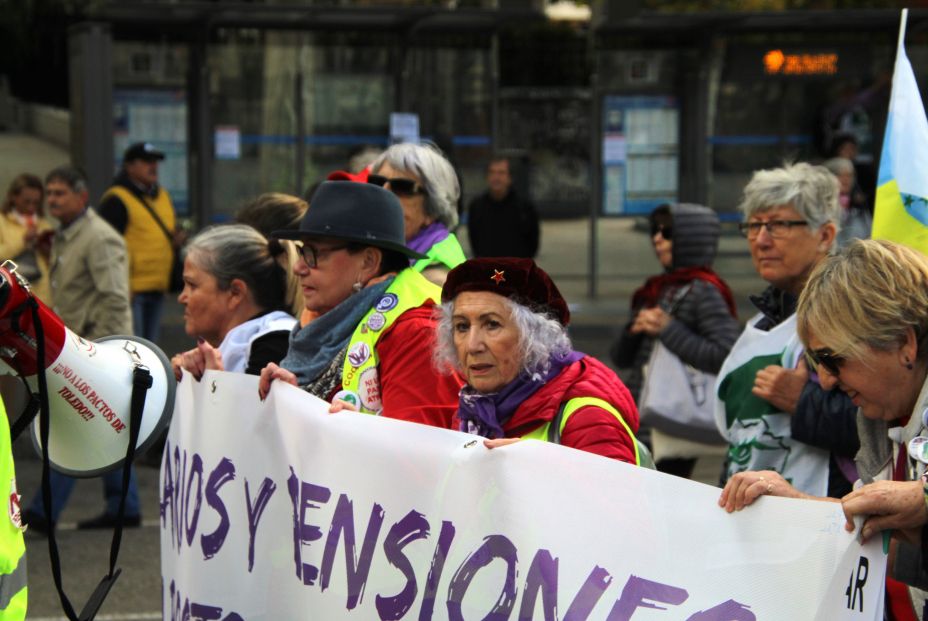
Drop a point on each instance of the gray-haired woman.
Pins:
(773, 414)
(428, 189)
(234, 294)
(503, 328)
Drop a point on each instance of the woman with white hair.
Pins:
(503, 328)
(425, 183)
(774, 415)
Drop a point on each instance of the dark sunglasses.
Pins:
(665, 231)
(399, 186)
(825, 358)
(311, 254)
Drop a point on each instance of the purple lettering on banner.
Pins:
(207, 613)
(412, 527)
(637, 590)
(167, 489)
(180, 475)
(542, 576)
(193, 611)
(196, 468)
(302, 497)
(494, 547)
(445, 537)
(175, 601)
(588, 595)
(221, 474)
(726, 611)
(356, 568)
(267, 489)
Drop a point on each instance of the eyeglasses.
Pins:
(825, 358)
(775, 228)
(311, 254)
(398, 185)
(665, 231)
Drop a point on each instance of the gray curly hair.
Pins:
(428, 163)
(811, 190)
(540, 337)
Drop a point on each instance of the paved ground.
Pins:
(625, 259)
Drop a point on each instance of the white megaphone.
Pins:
(89, 383)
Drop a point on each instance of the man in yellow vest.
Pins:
(141, 210)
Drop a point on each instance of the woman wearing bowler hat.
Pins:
(370, 345)
(503, 326)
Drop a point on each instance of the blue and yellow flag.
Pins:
(901, 211)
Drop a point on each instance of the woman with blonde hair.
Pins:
(25, 233)
(276, 211)
(863, 319)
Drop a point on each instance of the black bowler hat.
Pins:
(142, 151)
(355, 212)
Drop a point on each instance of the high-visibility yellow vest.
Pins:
(360, 375)
(13, 592)
(552, 430)
(151, 254)
(447, 252)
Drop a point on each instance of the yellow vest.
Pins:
(13, 592)
(360, 375)
(552, 430)
(150, 252)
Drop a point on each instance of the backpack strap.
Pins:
(556, 426)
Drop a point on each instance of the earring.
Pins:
(908, 364)
(357, 286)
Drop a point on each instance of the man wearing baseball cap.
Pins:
(142, 212)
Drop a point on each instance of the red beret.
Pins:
(517, 279)
(344, 175)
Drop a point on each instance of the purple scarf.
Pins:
(485, 414)
(426, 238)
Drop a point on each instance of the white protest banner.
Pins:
(279, 510)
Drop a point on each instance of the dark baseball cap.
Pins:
(142, 151)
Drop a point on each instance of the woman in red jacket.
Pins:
(503, 328)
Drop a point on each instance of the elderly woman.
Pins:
(503, 327)
(863, 318)
(234, 301)
(25, 233)
(691, 311)
(428, 189)
(774, 415)
(370, 344)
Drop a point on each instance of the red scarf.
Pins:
(649, 293)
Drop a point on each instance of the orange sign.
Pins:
(776, 62)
